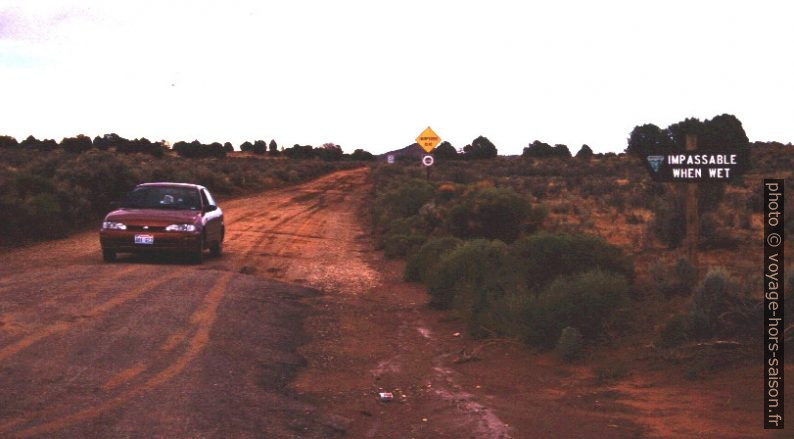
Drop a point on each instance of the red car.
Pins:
(164, 217)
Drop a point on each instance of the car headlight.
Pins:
(110, 225)
(181, 228)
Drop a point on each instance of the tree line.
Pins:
(721, 132)
(194, 149)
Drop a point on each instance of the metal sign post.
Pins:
(428, 140)
(428, 162)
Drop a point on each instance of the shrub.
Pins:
(569, 346)
(669, 223)
(472, 272)
(420, 264)
(492, 213)
(676, 330)
(680, 279)
(586, 300)
(397, 245)
(717, 306)
(546, 256)
(406, 198)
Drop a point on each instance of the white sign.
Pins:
(427, 160)
(390, 159)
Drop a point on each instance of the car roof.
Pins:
(170, 184)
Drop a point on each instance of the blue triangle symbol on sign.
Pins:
(656, 162)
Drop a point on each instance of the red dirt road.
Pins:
(292, 333)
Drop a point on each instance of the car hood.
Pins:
(153, 216)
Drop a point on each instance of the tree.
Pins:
(228, 147)
(585, 153)
(77, 144)
(47, 145)
(108, 140)
(445, 151)
(723, 132)
(360, 154)
(260, 147)
(480, 148)
(247, 146)
(8, 142)
(273, 148)
(196, 149)
(30, 142)
(300, 152)
(540, 149)
(330, 152)
(537, 149)
(561, 150)
(648, 137)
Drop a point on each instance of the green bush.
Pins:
(669, 223)
(407, 198)
(420, 264)
(676, 330)
(718, 308)
(545, 256)
(471, 274)
(398, 245)
(680, 279)
(585, 300)
(492, 213)
(570, 344)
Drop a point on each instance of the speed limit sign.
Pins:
(427, 160)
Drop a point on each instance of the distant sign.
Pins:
(695, 166)
(390, 159)
(428, 139)
(427, 160)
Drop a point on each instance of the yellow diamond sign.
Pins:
(428, 140)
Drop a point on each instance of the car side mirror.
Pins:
(211, 208)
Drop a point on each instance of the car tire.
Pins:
(197, 257)
(216, 249)
(109, 255)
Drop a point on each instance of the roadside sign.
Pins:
(695, 166)
(428, 139)
(427, 160)
(390, 159)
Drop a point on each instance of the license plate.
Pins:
(144, 239)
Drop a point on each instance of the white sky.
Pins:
(371, 74)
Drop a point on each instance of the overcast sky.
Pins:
(371, 74)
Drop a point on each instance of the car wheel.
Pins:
(216, 249)
(197, 257)
(109, 255)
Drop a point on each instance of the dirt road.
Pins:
(292, 333)
(150, 347)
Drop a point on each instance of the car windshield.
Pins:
(163, 197)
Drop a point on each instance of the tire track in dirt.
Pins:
(203, 320)
(63, 326)
(48, 309)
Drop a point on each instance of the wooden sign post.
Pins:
(693, 166)
(692, 214)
